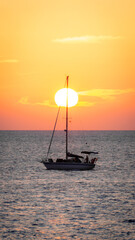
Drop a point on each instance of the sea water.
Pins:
(40, 204)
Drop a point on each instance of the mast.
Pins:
(67, 121)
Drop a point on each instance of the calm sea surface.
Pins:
(41, 204)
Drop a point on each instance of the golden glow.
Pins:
(40, 45)
(61, 97)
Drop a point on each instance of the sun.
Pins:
(61, 97)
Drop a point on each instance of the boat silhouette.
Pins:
(71, 161)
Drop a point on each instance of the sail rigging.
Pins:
(66, 84)
(53, 132)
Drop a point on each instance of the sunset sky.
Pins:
(43, 41)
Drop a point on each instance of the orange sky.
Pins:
(93, 42)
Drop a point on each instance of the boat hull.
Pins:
(68, 166)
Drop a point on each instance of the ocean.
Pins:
(40, 204)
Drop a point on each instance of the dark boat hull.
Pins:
(68, 166)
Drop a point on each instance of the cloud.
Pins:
(25, 101)
(86, 39)
(45, 103)
(85, 104)
(105, 93)
(101, 94)
(9, 61)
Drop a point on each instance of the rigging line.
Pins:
(54, 126)
(53, 131)
(65, 83)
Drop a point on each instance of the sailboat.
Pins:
(71, 161)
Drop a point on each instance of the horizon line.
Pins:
(69, 130)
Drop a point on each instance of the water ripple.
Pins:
(41, 204)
